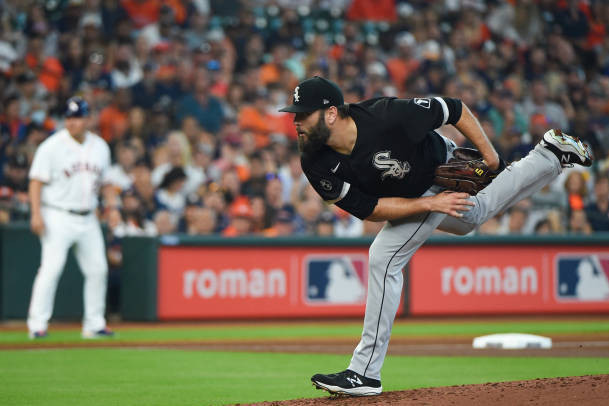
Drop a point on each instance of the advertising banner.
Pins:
(509, 279)
(240, 282)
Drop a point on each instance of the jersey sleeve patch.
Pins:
(343, 193)
(422, 102)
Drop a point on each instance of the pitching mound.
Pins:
(573, 390)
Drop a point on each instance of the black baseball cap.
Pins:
(313, 94)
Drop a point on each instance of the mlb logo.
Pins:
(426, 103)
(582, 277)
(335, 279)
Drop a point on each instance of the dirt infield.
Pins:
(574, 390)
(591, 345)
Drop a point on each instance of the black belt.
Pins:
(71, 211)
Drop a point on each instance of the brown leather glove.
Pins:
(466, 172)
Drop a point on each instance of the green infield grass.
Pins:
(349, 330)
(108, 377)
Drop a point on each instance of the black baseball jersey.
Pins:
(395, 154)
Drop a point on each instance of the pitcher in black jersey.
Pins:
(376, 159)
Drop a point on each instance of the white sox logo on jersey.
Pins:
(392, 167)
(296, 95)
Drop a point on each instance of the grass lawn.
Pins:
(108, 377)
(324, 330)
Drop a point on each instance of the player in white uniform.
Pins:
(65, 179)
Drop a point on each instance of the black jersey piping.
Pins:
(383, 296)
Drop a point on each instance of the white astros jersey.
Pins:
(72, 173)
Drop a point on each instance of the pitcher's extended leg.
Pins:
(391, 250)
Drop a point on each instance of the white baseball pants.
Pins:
(62, 230)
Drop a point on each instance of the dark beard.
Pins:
(316, 138)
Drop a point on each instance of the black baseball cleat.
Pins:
(569, 150)
(347, 383)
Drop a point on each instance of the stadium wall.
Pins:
(183, 277)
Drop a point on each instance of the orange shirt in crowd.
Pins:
(261, 125)
(178, 9)
(112, 123)
(49, 71)
(400, 70)
(146, 12)
(141, 12)
(269, 73)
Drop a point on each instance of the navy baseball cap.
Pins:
(76, 107)
(314, 94)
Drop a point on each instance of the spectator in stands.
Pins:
(164, 222)
(404, 63)
(94, 78)
(514, 221)
(491, 227)
(193, 202)
(169, 195)
(309, 210)
(16, 181)
(505, 115)
(284, 223)
(543, 227)
(240, 218)
(113, 122)
(324, 227)
(538, 103)
(293, 180)
(576, 191)
(179, 155)
(597, 212)
(47, 68)
(201, 105)
(32, 98)
(12, 126)
(120, 174)
(127, 70)
(256, 118)
(273, 193)
(347, 225)
(213, 198)
(144, 189)
(148, 90)
(256, 182)
(203, 222)
(578, 223)
(216, 71)
(134, 215)
(16, 173)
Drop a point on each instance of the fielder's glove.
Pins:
(466, 172)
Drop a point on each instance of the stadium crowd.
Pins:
(186, 94)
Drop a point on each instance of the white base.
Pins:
(512, 341)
